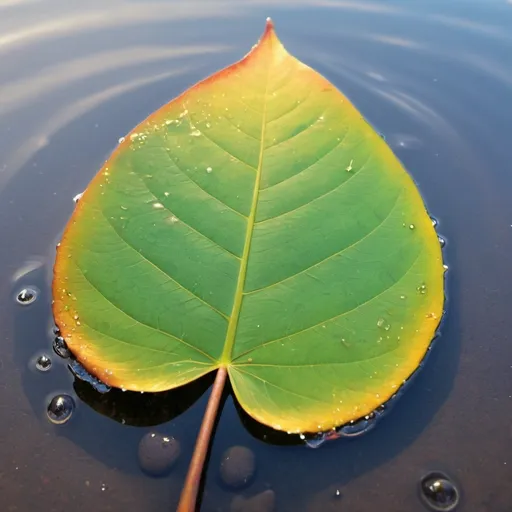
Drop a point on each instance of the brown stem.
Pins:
(188, 496)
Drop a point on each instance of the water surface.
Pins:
(435, 77)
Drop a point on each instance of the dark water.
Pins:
(435, 77)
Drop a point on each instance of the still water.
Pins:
(434, 77)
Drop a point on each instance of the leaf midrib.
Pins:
(225, 358)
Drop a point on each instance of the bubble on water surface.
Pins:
(60, 347)
(438, 492)
(43, 363)
(60, 409)
(26, 296)
(158, 453)
(81, 373)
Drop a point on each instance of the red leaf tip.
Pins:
(269, 27)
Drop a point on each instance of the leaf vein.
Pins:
(138, 321)
(290, 336)
(338, 253)
(128, 244)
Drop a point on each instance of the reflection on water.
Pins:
(433, 77)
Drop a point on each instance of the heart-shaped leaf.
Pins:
(256, 223)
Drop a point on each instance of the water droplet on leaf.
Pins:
(422, 288)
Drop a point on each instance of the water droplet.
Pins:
(43, 363)
(434, 222)
(104, 487)
(349, 167)
(27, 296)
(442, 241)
(158, 205)
(158, 453)
(173, 219)
(337, 493)
(60, 347)
(78, 197)
(422, 288)
(195, 133)
(209, 169)
(381, 322)
(402, 297)
(60, 409)
(438, 492)
(412, 226)
(316, 441)
(121, 140)
(358, 428)
(445, 267)
(81, 373)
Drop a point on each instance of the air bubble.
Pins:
(43, 363)
(60, 347)
(209, 170)
(26, 296)
(195, 133)
(60, 409)
(442, 241)
(434, 222)
(412, 226)
(121, 140)
(438, 492)
(78, 197)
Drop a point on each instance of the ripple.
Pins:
(39, 140)
(125, 15)
(17, 94)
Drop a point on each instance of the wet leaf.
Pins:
(257, 223)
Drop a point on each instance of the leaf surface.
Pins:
(257, 222)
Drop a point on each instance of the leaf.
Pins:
(255, 223)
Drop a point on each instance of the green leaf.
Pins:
(255, 223)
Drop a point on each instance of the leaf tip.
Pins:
(269, 28)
